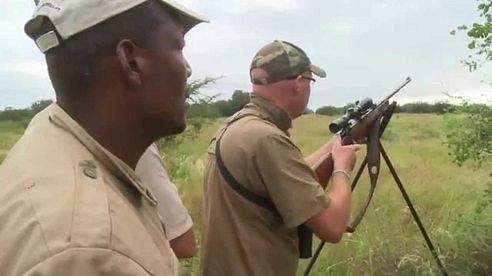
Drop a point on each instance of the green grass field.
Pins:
(387, 241)
(10, 132)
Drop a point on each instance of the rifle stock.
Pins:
(324, 167)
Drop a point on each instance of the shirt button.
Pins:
(89, 168)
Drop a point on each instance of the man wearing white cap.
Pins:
(70, 202)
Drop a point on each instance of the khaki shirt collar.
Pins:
(271, 112)
(116, 166)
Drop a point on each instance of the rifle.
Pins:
(364, 123)
(355, 127)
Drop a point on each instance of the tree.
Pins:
(10, 114)
(470, 136)
(472, 139)
(307, 111)
(417, 107)
(239, 100)
(39, 105)
(224, 108)
(481, 37)
(199, 115)
(329, 110)
(443, 107)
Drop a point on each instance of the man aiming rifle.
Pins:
(260, 192)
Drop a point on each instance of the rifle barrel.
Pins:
(398, 89)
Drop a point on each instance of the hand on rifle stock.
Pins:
(341, 156)
(344, 155)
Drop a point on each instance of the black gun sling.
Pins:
(304, 234)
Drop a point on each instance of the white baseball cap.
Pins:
(74, 16)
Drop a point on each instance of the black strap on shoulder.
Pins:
(236, 186)
(303, 232)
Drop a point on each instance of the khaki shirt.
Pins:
(242, 238)
(70, 207)
(174, 214)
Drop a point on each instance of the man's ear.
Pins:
(131, 66)
(297, 84)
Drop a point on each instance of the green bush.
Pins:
(469, 239)
(469, 136)
(329, 110)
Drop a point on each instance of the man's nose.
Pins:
(188, 69)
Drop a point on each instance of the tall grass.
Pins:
(452, 202)
(10, 132)
(387, 241)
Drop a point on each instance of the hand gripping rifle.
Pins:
(364, 123)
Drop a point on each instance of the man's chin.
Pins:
(180, 129)
(177, 128)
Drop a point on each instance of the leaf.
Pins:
(471, 45)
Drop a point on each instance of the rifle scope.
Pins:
(351, 116)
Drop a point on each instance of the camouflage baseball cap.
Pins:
(282, 60)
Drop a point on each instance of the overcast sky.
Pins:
(367, 48)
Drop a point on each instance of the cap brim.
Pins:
(318, 71)
(190, 18)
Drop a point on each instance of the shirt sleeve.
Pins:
(88, 261)
(290, 182)
(153, 174)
